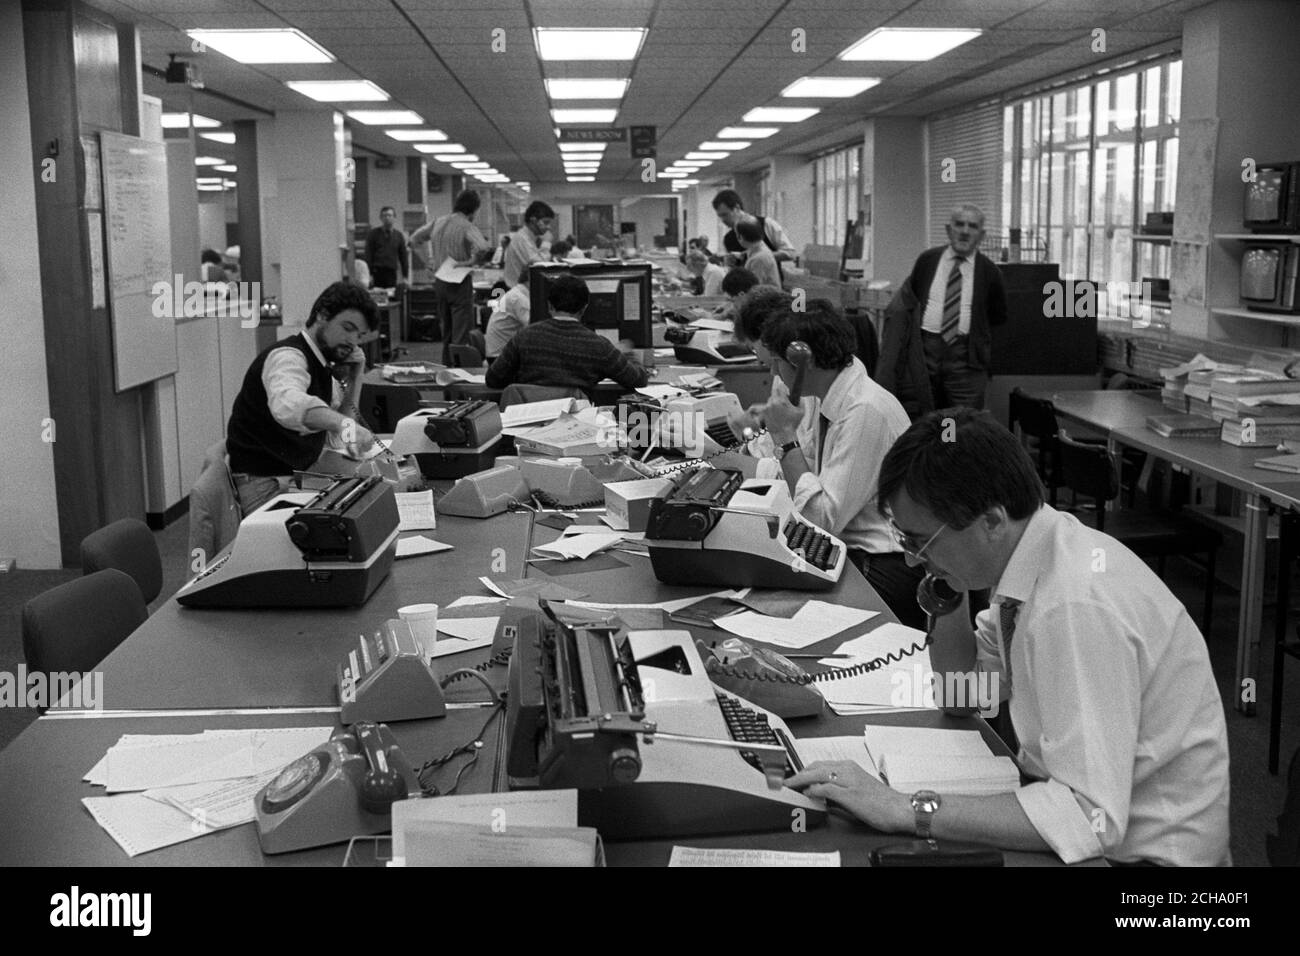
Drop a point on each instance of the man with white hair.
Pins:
(700, 266)
(960, 296)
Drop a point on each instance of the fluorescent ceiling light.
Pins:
(586, 89)
(751, 132)
(417, 135)
(725, 144)
(583, 147)
(889, 43)
(208, 160)
(687, 182)
(470, 165)
(338, 91)
(226, 168)
(584, 116)
(691, 164)
(709, 156)
(462, 158)
(498, 178)
(673, 174)
(211, 187)
(565, 44)
(523, 185)
(780, 114)
(581, 169)
(582, 157)
(441, 149)
(227, 138)
(264, 46)
(386, 117)
(207, 179)
(830, 86)
(581, 179)
(182, 121)
(229, 183)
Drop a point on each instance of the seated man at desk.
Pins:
(297, 393)
(1109, 684)
(509, 314)
(830, 446)
(699, 265)
(561, 352)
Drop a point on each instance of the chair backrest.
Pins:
(1035, 416)
(127, 545)
(478, 341)
(1088, 469)
(72, 627)
(868, 342)
(214, 507)
(385, 405)
(466, 356)
(519, 394)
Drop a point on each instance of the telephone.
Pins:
(485, 493)
(388, 678)
(341, 789)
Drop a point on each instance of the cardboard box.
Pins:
(627, 503)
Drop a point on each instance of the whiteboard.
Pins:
(137, 222)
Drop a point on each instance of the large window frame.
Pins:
(837, 185)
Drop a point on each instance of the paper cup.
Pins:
(423, 620)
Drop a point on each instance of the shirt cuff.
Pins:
(1055, 813)
(804, 489)
(767, 468)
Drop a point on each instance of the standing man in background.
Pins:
(960, 296)
(455, 237)
(386, 252)
(731, 210)
(525, 242)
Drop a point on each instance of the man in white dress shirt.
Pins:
(1111, 694)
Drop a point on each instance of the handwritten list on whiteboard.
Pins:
(138, 233)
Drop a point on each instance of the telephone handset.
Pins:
(936, 597)
(799, 355)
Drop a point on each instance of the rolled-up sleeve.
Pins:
(286, 380)
(1087, 744)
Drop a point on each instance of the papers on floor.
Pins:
(192, 784)
(899, 685)
(450, 272)
(415, 511)
(715, 856)
(419, 544)
(533, 828)
(815, 621)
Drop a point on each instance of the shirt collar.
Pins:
(315, 349)
(1021, 573)
(950, 254)
(846, 385)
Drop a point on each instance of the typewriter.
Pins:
(631, 720)
(305, 549)
(450, 439)
(707, 347)
(714, 527)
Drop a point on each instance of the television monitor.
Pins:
(1271, 200)
(1269, 277)
(620, 297)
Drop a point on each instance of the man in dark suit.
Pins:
(960, 296)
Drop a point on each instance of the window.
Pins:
(765, 195)
(1084, 165)
(836, 191)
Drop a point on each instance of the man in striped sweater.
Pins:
(561, 352)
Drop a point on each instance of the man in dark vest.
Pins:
(731, 210)
(297, 392)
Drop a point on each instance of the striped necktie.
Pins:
(951, 325)
(1007, 612)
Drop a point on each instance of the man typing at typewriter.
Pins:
(829, 448)
(299, 392)
(1110, 690)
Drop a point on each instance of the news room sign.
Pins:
(594, 135)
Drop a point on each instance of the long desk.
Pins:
(186, 670)
(1104, 410)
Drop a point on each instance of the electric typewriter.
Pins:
(450, 439)
(707, 347)
(305, 549)
(715, 527)
(631, 720)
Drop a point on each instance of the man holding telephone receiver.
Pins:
(297, 393)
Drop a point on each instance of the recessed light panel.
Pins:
(586, 89)
(417, 135)
(748, 132)
(829, 87)
(386, 117)
(889, 43)
(564, 44)
(264, 46)
(780, 114)
(338, 91)
(584, 116)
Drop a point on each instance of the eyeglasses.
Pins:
(908, 542)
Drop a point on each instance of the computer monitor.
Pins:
(620, 297)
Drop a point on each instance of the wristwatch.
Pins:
(785, 449)
(925, 804)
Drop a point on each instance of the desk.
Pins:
(1105, 410)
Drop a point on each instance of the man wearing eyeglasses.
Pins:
(960, 297)
(1109, 685)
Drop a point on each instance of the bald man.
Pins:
(960, 297)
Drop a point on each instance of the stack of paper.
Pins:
(901, 685)
(948, 761)
(815, 621)
(533, 413)
(175, 787)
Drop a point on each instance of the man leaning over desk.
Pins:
(297, 393)
(1107, 678)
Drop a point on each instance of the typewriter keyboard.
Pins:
(817, 547)
(721, 433)
(749, 726)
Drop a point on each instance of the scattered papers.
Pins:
(579, 546)
(533, 589)
(816, 621)
(902, 685)
(216, 803)
(700, 380)
(532, 413)
(669, 606)
(710, 856)
(419, 544)
(415, 511)
(140, 824)
(450, 272)
(660, 392)
(719, 325)
(464, 634)
(472, 599)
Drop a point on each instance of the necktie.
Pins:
(951, 325)
(1007, 612)
(823, 426)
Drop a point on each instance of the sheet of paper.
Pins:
(453, 376)
(578, 546)
(669, 606)
(812, 749)
(472, 599)
(218, 804)
(532, 808)
(714, 856)
(880, 741)
(464, 633)
(904, 685)
(419, 544)
(660, 392)
(415, 511)
(532, 588)
(450, 272)
(720, 325)
(816, 621)
(531, 413)
(455, 844)
(139, 824)
(214, 756)
(263, 751)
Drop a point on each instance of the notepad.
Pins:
(415, 511)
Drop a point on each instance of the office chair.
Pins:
(127, 545)
(470, 355)
(1091, 471)
(1287, 551)
(215, 512)
(868, 342)
(71, 628)
(518, 394)
(1037, 420)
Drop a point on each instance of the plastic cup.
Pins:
(423, 621)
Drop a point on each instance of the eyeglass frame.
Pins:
(903, 539)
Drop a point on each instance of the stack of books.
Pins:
(1184, 426)
(1256, 409)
